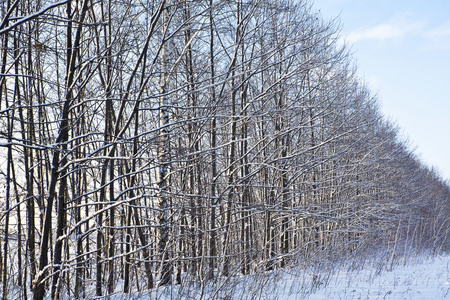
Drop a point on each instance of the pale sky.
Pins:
(402, 49)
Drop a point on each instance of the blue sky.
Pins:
(402, 49)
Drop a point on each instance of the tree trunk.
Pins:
(161, 178)
(213, 201)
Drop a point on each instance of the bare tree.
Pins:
(180, 140)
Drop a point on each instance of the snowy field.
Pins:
(425, 278)
(420, 278)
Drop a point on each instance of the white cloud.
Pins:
(404, 25)
(396, 28)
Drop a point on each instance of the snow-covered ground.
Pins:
(422, 278)
(426, 279)
(418, 278)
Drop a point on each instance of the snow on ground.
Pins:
(419, 278)
(428, 279)
(425, 278)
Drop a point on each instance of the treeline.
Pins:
(143, 142)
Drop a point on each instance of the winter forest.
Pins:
(155, 143)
